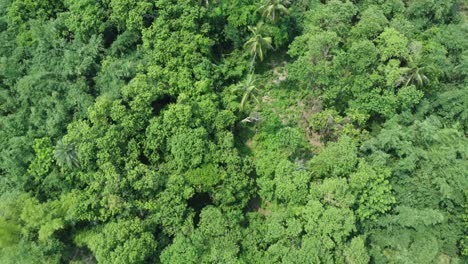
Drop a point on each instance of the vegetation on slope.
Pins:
(243, 131)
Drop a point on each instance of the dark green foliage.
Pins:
(65, 155)
(429, 178)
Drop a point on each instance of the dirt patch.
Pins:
(280, 72)
(308, 110)
(249, 143)
(255, 205)
(265, 211)
(267, 99)
(299, 113)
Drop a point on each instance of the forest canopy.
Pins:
(240, 131)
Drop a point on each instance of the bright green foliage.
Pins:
(335, 16)
(204, 177)
(119, 242)
(362, 54)
(337, 159)
(23, 10)
(32, 228)
(215, 240)
(333, 192)
(279, 177)
(356, 252)
(84, 18)
(363, 72)
(10, 229)
(373, 190)
(188, 148)
(42, 163)
(131, 14)
(371, 23)
(330, 125)
(392, 44)
(291, 182)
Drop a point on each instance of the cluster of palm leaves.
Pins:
(65, 155)
(249, 90)
(259, 44)
(415, 72)
(273, 9)
(413, 75)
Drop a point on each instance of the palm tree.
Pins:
(272, 9)
(413, 75)
(204, 2)
(257, 43)
(65, 155)
(249, 90)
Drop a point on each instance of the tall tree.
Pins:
(258, 44)
(273, 9)
(249, 91)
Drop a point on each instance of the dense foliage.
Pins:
(242, 131)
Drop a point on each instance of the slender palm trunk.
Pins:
(252, 63)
